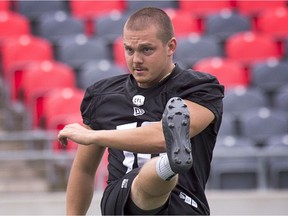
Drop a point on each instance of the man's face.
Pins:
(147, 58)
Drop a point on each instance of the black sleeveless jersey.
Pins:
(118, 103)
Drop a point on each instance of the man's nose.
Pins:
(137, 58)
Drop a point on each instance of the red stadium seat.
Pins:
(253, 8)
(37, 78)
(60, 103)
(13, 24)
(250, 47)
(202, 8)
(273, 22)
(5, 5)
(118, 52)
(178, 18)
(58, 123)
(90, 9)
(229, 73)
(23, 49)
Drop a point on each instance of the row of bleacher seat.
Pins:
(60, 47)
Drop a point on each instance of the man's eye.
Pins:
(147, 50)
(129, 51)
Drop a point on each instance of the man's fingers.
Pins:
(62, 139)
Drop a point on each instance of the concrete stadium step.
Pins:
(18, 176)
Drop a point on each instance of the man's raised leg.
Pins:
(157, 178)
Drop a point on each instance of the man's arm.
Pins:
(146, 139)
(81, 181)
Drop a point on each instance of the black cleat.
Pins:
(176, 124)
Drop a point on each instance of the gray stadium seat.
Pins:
(228, 126)
(94, 71)
(77, 50)
(133, 5)
(194, 47)
(277, 151)
(235, 165)
(269, 75)
(33, 9)
(225, 23)
(56, 25)
(262, 123)
(241, 99)
(110, 25)
(281, 99)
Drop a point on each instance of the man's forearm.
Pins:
(79, 193)
(146, 139)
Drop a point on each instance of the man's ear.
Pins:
(172, 44)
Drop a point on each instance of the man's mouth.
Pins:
(140, 69)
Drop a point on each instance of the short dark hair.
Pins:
(146, 16)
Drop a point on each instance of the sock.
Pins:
(163, 168)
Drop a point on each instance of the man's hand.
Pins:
(75, 132)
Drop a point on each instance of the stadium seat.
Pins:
(77, 50)
(56, 25)
(273, 22)
(203, 8)
(241, 99)
(229, 73)
(94, 71)
(3, 94)
(5, 5)
(269, 75)
(262, 123)
(36, 78)
(59, 102)
(235, 165)
(58, 123)
(13, 24)
(40, 75)
(192, 23)
(91, 9)
(250, 47)
(253, 8)
(109, 25)
(133, 5)
(225, 24)
(33, 9)
(281, 98)
(192, 48)
(23, 49)
(118, 52)
(277, 153)
(228, 126)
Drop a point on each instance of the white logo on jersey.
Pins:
(124, 183)
(138, 100)
(138, 111)
(188, 200)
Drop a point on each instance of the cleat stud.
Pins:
(176, 150)
(184, 105)
(184, 122)
(178, 113)
(171, 125)
(170, 117)
(189, 161)
(171, 106)
(188, 150)
(177, 161)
